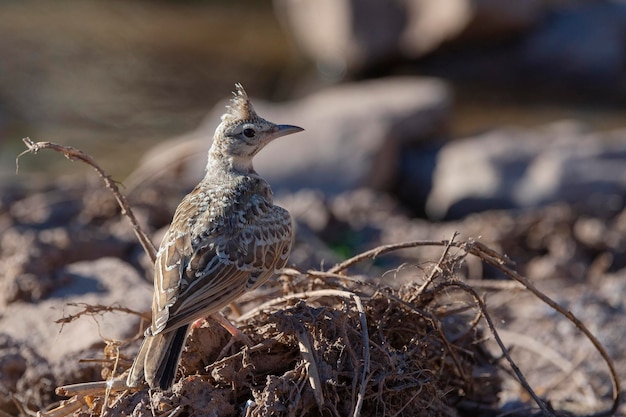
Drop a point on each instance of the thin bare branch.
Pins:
(306, 350)
(92, 310)
(89, 388)
(496, 260)
(437, 267)
(76, 154)
(380, 250)
(492, 328)
(66, 408)
(366, 355)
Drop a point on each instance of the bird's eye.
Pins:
(249, 133)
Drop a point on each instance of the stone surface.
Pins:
(354, 136)
(107, 282)
(579, 45)
(501, 18)
(568, 47)
(32, 252)
(512, 168)
(18, 364)
(344, 36)
(576, 257)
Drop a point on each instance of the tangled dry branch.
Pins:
(336, 343)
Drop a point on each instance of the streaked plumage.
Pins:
(227, 237)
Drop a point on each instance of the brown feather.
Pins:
(227, 237)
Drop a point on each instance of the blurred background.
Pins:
(116, 78)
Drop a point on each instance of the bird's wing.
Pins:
(192, 281)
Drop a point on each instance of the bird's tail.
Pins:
(157, 360)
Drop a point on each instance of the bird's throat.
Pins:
(229, 163)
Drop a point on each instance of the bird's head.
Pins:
(242, 133)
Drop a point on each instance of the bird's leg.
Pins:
(227, 325)
(231, 328)
(237, 335)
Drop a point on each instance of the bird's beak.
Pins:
(284, 130)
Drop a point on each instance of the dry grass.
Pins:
(330, 344)
(335, 343)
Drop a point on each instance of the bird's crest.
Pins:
(240, 107)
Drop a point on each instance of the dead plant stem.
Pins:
(76, 154)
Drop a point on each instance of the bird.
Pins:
(226, 237)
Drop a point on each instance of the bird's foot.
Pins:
(237, 335)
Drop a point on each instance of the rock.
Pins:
(493, 19)
(354, 136)
(18, 373)
(46, 209)
(106, 282)
(512, 168)
(580, 45)
(569, 47)
(568, 51)
(352, 36)
(331, 32)
(31, 256)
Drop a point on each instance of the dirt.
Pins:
(395, 334)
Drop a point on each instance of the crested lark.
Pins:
(227, 237)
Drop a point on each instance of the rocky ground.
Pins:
(498, 120)
(73, 270)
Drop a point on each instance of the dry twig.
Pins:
(496, 260)
(97, 309)
(344, 288)
(76, 154)
(306, 350)
(366, 355)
